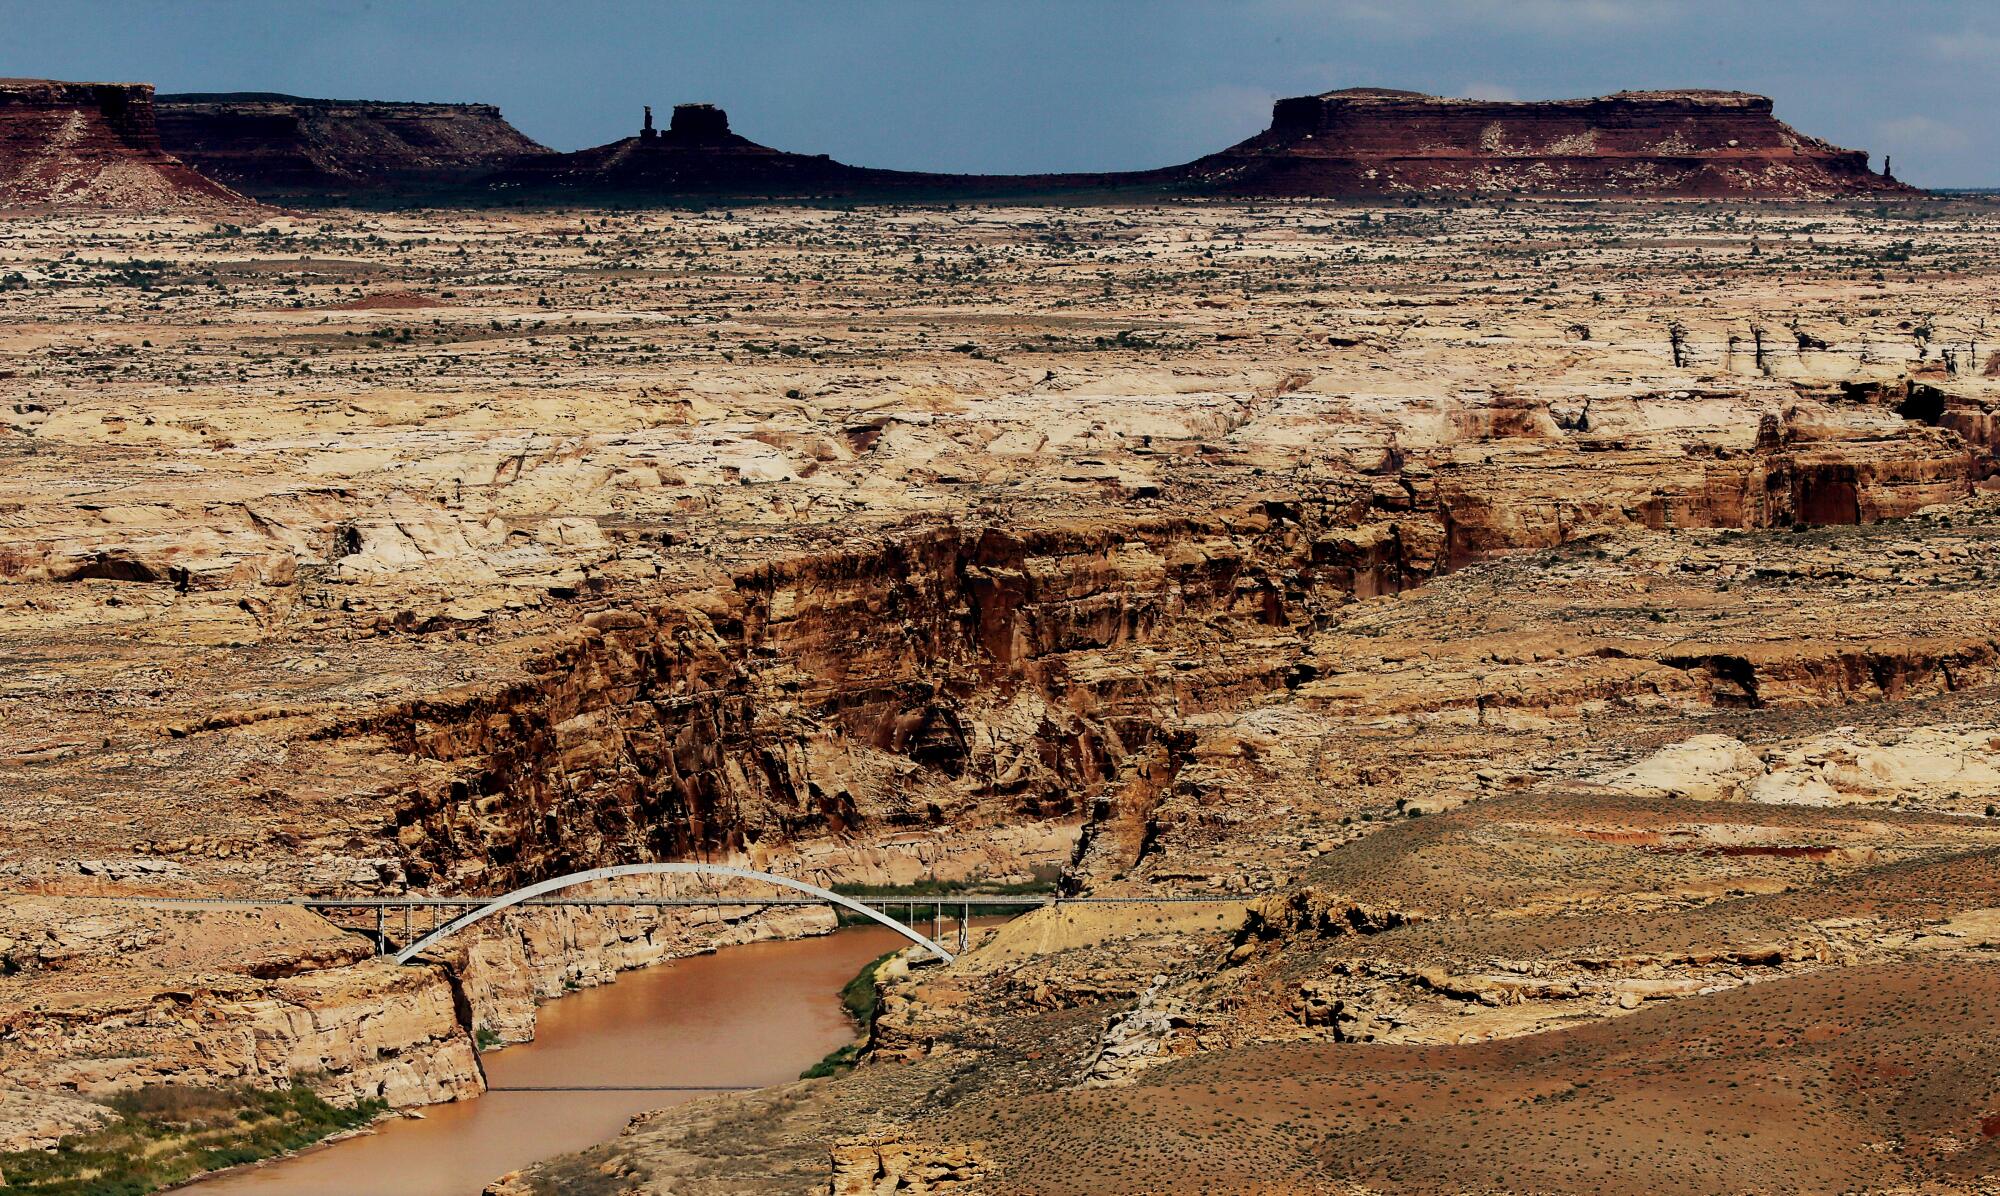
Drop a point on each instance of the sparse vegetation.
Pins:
(166, 1134)
(1348, 557)
(862, 999)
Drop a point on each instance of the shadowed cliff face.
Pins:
(73, 142)
(1354, 143)
(946, 678)
(94, 145)
(278, 145)
(970, 676)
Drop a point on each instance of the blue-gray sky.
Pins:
(1030, 85)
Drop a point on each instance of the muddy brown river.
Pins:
(751, 1015)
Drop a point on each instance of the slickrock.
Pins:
(882, 1163)
(37, 1120)
(1934, 768)
(1617, 688)
(1134, 1038)
(95, 146)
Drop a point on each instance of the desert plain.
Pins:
(1564, 630)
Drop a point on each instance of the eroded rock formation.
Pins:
(1374, 141)
(1343, 144)
(261, 997)
(95, 143)
(1529, 681)
(696, 154)
(94, 146)
(286, 147)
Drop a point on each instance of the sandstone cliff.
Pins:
(275, 145)
(94, 145)
(1353, 143)
(1373, 141)
(227, 995)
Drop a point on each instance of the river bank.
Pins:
(746, 1016)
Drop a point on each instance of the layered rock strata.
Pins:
(98, 144)
(120, 994)
(1373, 141)
(1342, 144)
(287, 147)
(94, 146)
(1355, 561)
(1471, 858)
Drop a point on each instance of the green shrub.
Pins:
(863, 1002)
(168, 1133)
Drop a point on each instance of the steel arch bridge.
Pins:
(559, 883)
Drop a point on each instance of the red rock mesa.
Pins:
(1370, 141)
(282, 146)
(93, 145)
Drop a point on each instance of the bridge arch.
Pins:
(559, 883)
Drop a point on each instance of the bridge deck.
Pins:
(466, 910)
(947, 900)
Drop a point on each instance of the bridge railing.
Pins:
(430, 913)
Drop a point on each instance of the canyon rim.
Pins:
(1466, 627)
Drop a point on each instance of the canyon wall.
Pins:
(934, 680)
(232, 995)
(975, 677)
